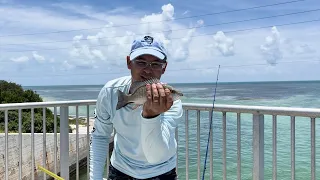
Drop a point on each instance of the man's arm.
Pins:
(100, 137)
(158, 133)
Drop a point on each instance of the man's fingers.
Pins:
(169, 98)
(149, 94)
(155, 93)
(162, 95)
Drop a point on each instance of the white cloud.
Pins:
(118, 10)
(304, 48)
(200, 22)
(185, 12)
(98, 54)
(24, 61)
(109, 45)
(224, 44)
(277, 47)
(271, 48)
(294, 47)
(160, 25)
(112, 44)
(38, 57)
(21, 59)
(66, 66)
(20, 62)
(83, 55)
(178, 48)
(34, 56)
(180, 52)
(102, 46)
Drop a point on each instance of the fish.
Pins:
(138, 95)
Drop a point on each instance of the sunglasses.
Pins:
(153, 65)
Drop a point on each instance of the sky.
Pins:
(81, 42)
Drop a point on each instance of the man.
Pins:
(144, 142)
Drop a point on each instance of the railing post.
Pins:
(64, 142)
(258, 147)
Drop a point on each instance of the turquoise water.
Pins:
(284, 94)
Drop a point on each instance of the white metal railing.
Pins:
(258, 121)
(64, 135)
(258, 113)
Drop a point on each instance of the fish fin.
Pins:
(168, 86)
(137, 84)
(173, 90)
(123, 100)
(152, 80)
(179, 93)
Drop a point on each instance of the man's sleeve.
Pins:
(100, 137)
(158, 134)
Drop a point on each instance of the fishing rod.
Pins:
(214, 99)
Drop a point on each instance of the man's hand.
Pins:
(159, 100)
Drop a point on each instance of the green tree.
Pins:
(13, 93)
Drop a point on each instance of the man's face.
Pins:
(142, 70)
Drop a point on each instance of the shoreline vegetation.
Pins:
(82, 125)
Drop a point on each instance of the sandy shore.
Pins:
(82, 125)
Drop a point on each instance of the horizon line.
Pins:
(221, 82)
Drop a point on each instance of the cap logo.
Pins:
(148, 39)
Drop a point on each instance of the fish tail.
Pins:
(123, 100)
(179, 93)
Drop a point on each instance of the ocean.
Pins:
(283, 94)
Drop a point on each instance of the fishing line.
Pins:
(214, 99)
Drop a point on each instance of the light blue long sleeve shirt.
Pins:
(143, 148)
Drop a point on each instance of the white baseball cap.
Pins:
(148, 45)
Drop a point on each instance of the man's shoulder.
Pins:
(118, 82)
(109, 90)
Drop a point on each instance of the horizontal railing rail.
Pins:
(29, 105)
(258, 138)
(287, 111)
